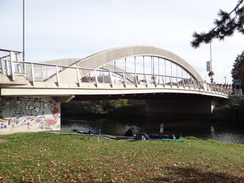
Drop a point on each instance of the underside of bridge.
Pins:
(188, 106)
(142, 96)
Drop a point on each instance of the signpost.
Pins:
(208, 66)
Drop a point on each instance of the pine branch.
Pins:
(225, 26)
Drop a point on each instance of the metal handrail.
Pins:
(126, 78)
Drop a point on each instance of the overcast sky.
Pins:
(78, 28)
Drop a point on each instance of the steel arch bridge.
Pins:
(31, 93)
(118, 72)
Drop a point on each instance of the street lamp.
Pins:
(24, 27)
(210, 66)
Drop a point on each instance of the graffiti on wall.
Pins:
(29, 113)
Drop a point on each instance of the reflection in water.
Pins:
(212, 130)
(226, 132)
(228, 138)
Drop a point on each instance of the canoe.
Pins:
(176, 140)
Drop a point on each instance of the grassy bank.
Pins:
(42, 157)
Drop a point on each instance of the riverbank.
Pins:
(43, 157)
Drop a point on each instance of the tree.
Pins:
(225, 26)
(237, 71)
(92, 107)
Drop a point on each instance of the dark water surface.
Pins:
(223, 131)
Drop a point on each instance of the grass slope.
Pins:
(43, 157)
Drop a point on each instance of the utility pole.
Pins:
(211, 64)
(24, 28)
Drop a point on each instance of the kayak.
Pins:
(176, 140)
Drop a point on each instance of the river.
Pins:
(222, 131)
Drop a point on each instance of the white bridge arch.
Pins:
(102, 58)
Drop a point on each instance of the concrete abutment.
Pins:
(29, 114)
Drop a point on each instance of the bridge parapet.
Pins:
(11, 64)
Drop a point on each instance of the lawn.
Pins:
(45, 157)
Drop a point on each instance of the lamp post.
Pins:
(210, 66)
(24, 27)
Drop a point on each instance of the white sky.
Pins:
(78, 28)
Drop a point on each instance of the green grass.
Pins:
(43, 157)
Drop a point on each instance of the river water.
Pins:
(223, 131)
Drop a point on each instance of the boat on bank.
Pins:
(140, 136)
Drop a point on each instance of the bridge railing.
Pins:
(11, 64)
(39, 72)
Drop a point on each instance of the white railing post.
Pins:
(3, 66)
(194, 84)
(211, 87)
(163, 81)
(189, 83)
(183, 82)
(207, 86)
(32, 74)
(95, 75)
(124, 79)
(178, 85)
(111, 78)
(12, 66)
(200, 85)
(57, 76)
(78, 76)
(24, 67)
(145, 77)
(135, 80)
(155, 80)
